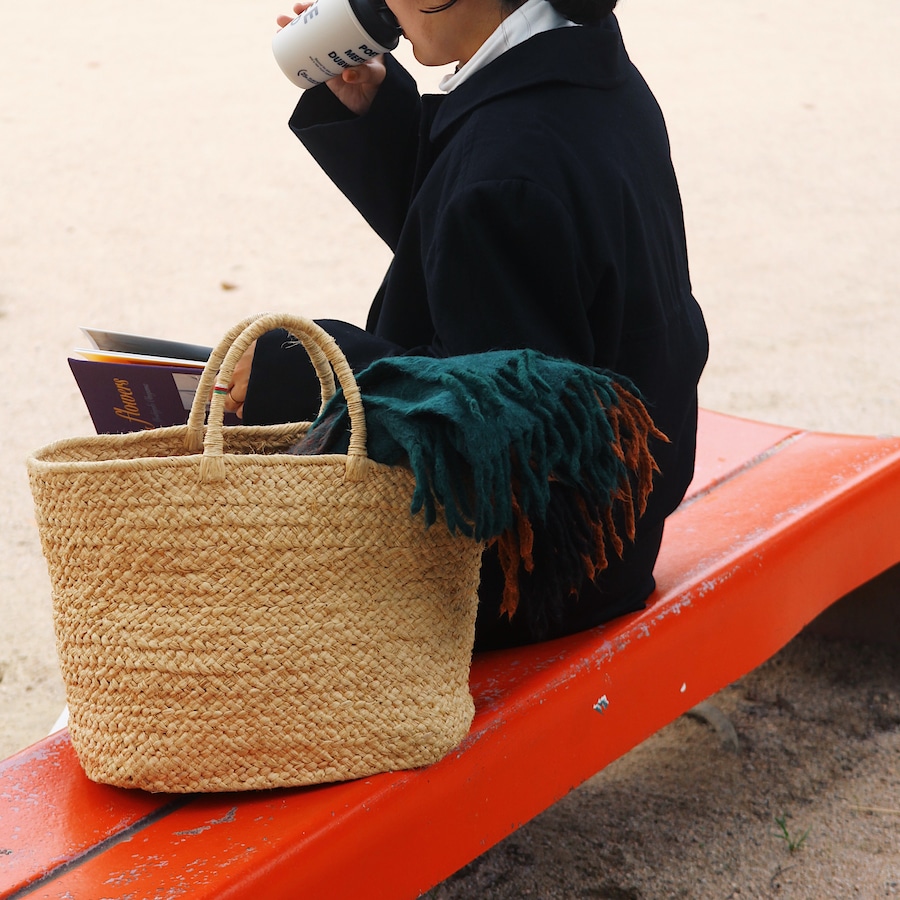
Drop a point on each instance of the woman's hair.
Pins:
(584, 12)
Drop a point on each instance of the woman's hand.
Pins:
(355, 88)
(237, 390)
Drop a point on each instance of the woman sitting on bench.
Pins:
(531, 205)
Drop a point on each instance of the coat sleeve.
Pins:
(372, 160)
(372, 157)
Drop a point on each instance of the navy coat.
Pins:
(534, 206)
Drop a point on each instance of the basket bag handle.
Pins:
(328, 360)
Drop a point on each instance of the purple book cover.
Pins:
(123, 397)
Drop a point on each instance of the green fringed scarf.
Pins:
(538, 455)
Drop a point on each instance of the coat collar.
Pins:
(587, 56)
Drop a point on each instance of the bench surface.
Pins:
(777, 525)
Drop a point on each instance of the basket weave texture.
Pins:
(241, 618)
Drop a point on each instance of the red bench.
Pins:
(777, 525)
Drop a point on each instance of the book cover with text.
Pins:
(129, 396)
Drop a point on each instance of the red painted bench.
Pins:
(777, 525)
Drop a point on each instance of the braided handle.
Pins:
(328, 360)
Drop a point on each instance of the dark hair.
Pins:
(584, 12)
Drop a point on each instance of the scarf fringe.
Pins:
(582, 522)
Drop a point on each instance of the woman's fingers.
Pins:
(371, 73)
(240, 381)
(356, 88)
(233, 404)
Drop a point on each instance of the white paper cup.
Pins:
(333, 35)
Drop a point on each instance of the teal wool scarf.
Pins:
(539, 455)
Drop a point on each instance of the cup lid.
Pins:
(377, 21)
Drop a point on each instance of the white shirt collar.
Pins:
(531, 18)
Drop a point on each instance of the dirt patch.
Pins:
(808, 807)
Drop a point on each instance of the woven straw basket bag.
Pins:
(241, 618)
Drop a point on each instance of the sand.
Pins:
(150, 185)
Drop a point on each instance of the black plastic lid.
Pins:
(378, 21)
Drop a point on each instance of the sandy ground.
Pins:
(149, 184)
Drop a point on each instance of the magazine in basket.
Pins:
(131, 382)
